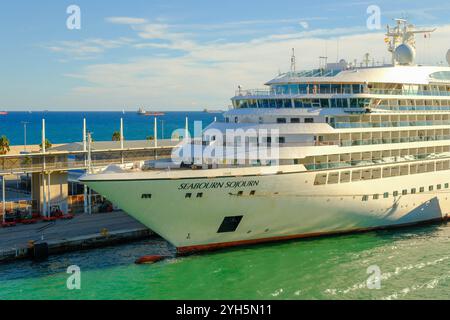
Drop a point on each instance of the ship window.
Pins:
(236, 119)
(376, 196)
(386, 172)
(395, 193)
(281, 140)
(439, 187)
(295, 120)
(356, 88)
(230, 224)
(404, 170)
(365, 198)
(345, 176)
(320, 179)
(281, 120)
(386, 195)
(309, 120)
(200, 195)
(366, 175)
(333, 178)
(252, 193)
(430, 188)
(146, 196)
(413, 190)
(188, 195)
(356, 175)
(446, 186)
(441, 75)
(422, 189)
(405, 192)
(240, 193)
(395, 171)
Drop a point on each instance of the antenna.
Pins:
(337, 50)
(366, 59)
(323, 62)
(293, 61)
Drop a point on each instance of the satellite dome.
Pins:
(404, 54)
(448, 57)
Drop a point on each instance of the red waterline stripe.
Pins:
(222, 245)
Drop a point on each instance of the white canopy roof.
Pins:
(391, 74)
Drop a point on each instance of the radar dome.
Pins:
(448, 57)
(404, 54)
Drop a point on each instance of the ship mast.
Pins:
(293, 61)
(402, 34)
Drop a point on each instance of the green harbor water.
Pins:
(414, 262)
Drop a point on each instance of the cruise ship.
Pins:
(342, 148)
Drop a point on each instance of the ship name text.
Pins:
(218, 185)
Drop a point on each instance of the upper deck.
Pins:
(429, 82)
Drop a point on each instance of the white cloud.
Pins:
(207, 74)
(86, 49)
(304, 24)
(126, 20)
(152, 31)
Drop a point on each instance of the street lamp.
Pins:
(25, 134)
(162, 129)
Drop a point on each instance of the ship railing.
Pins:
(254, 92)
(281, 144)
(409, 92)
(271, 92)
(340, 142)
(350, 125)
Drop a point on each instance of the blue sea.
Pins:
(62, 127)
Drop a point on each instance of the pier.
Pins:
(83, 232)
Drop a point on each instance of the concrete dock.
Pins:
(83, 232)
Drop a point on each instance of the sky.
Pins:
(185, 54)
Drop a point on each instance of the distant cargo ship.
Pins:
(3, 113)
(142, 112)
(212, 111)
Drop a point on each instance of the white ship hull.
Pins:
(284, 206)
